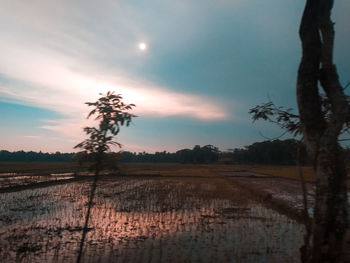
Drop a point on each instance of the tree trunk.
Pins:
(321, 131)
(305, 249)
(330, 212)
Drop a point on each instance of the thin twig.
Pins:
(346, 86)
(274, 138)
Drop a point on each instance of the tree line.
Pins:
(22, 156)
(198, 154)
(274, 152)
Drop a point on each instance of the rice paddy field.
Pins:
(151, 213)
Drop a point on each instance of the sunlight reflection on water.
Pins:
(144, 220)
(21, 180)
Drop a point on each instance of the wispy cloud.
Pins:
(59, 55)
(31, 136)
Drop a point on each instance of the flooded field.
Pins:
(7, 181)
(145, 219)
(21, 174)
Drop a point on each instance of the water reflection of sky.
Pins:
(14, 179)
(148, 220)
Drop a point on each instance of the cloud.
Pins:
(31, 136)
(58, 55)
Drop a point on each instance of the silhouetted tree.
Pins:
(277, 152)
(185, 156)
(112, 114)
(321, 132)
(323, 117)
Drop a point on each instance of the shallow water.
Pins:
(7, 174)
(145, 220)
(22, 180)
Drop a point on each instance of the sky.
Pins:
(202, 66)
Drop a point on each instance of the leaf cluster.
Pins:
(281, 116)
(98, 142)
(112, 112)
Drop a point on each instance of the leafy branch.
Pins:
(281, 116)
(289, 121)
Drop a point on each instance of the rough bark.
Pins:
(304, 250)
(321, 132)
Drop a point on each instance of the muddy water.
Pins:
(145, 220)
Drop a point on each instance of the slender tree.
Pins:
(112, 113)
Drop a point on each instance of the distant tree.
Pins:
(185, 156)
(278, 152)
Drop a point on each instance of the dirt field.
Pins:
(155, 213)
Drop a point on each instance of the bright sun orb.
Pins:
(142, 46)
